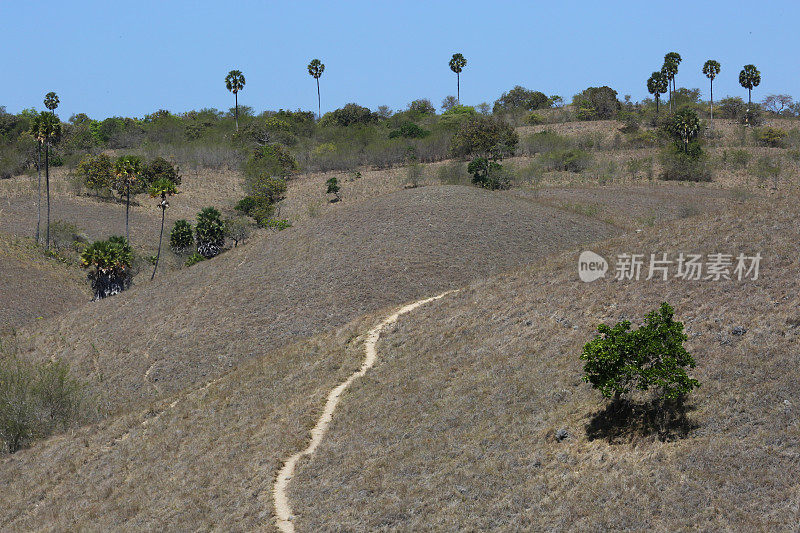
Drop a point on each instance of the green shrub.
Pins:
(97, 172)
(277, 224)
(160, 168)
(732, 107)
(237, 229)
(270, 160)
(37, 400)
(209, 232)
(651, 358)
(181, 238)
(194, 259)
(110, 264)
(571, 160)
(456, 115)
(683, 127)
(534, 119)
(349, 115)
(488, 174)
(409, 130)
(483, 136)
(597, 103)
(677, 165)
(736, 159)
(521, 99)
(773, 137)
(332, 187)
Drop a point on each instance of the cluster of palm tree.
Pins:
(235, 81)
(663, 81)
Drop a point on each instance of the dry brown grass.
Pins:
(454, 427)
(34, 287)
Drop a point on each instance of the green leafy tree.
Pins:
(209, 232)
(670, 70)
(521, 99)
(51, 102)
(488, 174)
(483, 137)
(97, 172)
(749, 78)
(234, 82)
(711, 69)
(181, 238)
(315, 70)
(128, 172)
(110, 266)
(48, 131)
(160, 168)
(162, 187)
(657, 85)
(333, 188)
(457, 64)
(618, 361)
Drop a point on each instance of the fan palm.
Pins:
(234, 82)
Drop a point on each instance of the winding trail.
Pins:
(283, 510)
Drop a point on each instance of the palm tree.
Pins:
(749, 78)
(48, 130)
(315, 69)
(657, 85)
(457, 64)
(51, 101)
(128, 168)
(161, 187)
(670, 70)
(711, 68)
(234, 82)
(35, 127)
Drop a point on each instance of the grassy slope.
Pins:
(189, 326)
(34, 287)
(454, 427)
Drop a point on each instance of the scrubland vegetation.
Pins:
(302, 229)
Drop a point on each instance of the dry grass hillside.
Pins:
(33, 287)
(454, 428)
(189, 326)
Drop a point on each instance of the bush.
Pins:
(752, 116)
(160, 168)
(684, 127)
(110, 263)
(456, 115)
(570, 160)
(651, 358)
(37, 400)
(409, 130)
(488, 174)
(194, 259)
(209, 232)
(264, 192)
(97, 172)
(677, 165)
(422, 106)
(66, 236)
(534, 119)
(773, 137)
(349, 115)
(237, 229)
(597, 103)
(271, 160)
(332, 187)
(483, 136)
(736, 159)
(181, 238)
(732, 107)
(521, 99)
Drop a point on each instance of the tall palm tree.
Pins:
(51, 101)
(315, 69)
(749, 78)
(128, 169)
(457, 64)
(711, 68)
(48, 131)
(657, 85)
(234, 82)
(35, 127)
(670, 69)
(161, 187)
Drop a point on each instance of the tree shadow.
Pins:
(627, 421)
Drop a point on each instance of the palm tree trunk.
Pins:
(160, 237)
(236, 113)
(319, 102)
(656, 104)
(47, 185)
(39, 190)
(712, 104)
(127, 209)
(458, 87)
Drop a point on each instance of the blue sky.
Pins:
(131, 58)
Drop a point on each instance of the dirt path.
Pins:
(283, 510)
